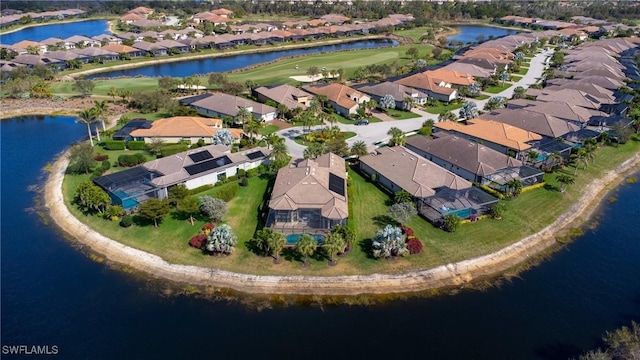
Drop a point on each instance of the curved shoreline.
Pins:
(29, 26)
(412, 281)
(223, 54)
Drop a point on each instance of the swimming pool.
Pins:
(127, 200)
(293, 239)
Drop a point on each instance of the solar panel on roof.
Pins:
(254, 155)
(200, 156)
(336, 184)
(207, 165)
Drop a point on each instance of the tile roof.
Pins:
(463, 153)
(535, 122)
(119, 48)
(306, 186)
(229, 105)
(493, 131)
(339, 94)
(398, 91)
(285, 94)
(451, 76)
(181, 126)
(422, 81)
(413, 173)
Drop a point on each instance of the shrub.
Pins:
(200, 189)
(492, 191)
(97, 173)
(226, 192)
(451, 222)
(252, 172)
(169, 150)
(206, 228)
(533, 187)
(244, 182)
(373, 177)
(136, 145)
(126, 221)
(498, 210)
(414, 246)
(241, 173)
(232, 178)
(131, 160)
(114, 145)
(407, 231)
(101, 157)
(106, 165)
(197, 241)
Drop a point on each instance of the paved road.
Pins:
(377, 132)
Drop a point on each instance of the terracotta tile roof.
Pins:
(119, 48)
(181, 126)
(306, 186)
(413, 173)
(222, 11)
(451, 76)
(339, 94)
(131, 17)
(286, 95)
(26, 43)
(493, 131)
(422, 81)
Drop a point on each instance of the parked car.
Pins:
(362, 122)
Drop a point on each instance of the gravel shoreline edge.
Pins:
(412, 281)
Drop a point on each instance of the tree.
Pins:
(624, 343)
(409, 102)
(359, 148)
(81, 158)
(437, 52)
(397, 137)
(167, 82)
(154, 209)
(514, 187)
(498, 210)
(450, 222)
(314, 150)
(217, 79)
(306, 247)
(533, 156)
(189, 206)
(87, 116)
(348, 235)
(413, 53)
(233, 88)
(622, 131)
(313, 71)
(495, 102)
(447, 116)
(333, 244)
(565, 180)
(389, 242)
(402, 196)
(113, 92)
(85, 87)
(214, 208)
(243, 116)
(553, 160)
(387, 102)
(223, 137)
(276, 243)
(504, 76)
(101, 107)
(90, 197)
(253, 127)
(402, 211)
(221, 240)
(177, 193)
(469, 110)
(518, 93)
(279, 152)
(580, 158)
(427, 127)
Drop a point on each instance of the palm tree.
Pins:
(252, 127)
(307, 118)
(101, 108)
(447, 116)
(504, 76)
(279, 151)
(243, 116)
(565, 180)
(277, 242)
(314, 150)
(514, 187)
(306, 247)
(282, 110)
(333, 244)
(555, 159)
(580, 158)
(272, 139)
(316, 106)
(533, 156)
(359, 148)
(397, 137)
(113, 92)
(87, 116)
(312, 72)
(409, 102)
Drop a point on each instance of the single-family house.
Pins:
(175, 45)
(287, 95)
(124, 133)
(28, 46)
(79, 41)
(97, 54)
(432, 88)
(221, 105)
(106, 39)
(310, 196)
(124, 49)
(343, 99)
(537, 122)
(404, 96)
(451, 77)
(152, 48)
(182, 128)
(33, 60)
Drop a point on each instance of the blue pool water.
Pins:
(293, 239)
(126, 203)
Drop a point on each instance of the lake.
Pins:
(87, 28)
(53, 294)
(228, 63)
(470, 33)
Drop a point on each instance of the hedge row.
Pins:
(169, 150)
(493, 192)
(533, 187)
(136, 145)
(226, 192)
(114, 145)
(131, 160)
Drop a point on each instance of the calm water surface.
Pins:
(53, 294)
(221, 64)
(87, 28)
(470, 33)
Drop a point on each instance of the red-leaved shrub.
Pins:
(101, 157)
(414, 246)
(198, 240)
(407, 231)
(208, 226)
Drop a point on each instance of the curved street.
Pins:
(377, 132)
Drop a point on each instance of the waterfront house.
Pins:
(107, 39)
(309, 196)
(496, 135)
(473, 161)
(97, 54)
(399, 92)
(151, 48)
(343, 99)
(175, 45)
(575, 114)
(221, 105)
(124, 133)
(124, 50)
(178, 129)
(437, 191)
(79, 41)
(537, 122)
(434, 89)
(28, 46)
(33, 60)
(287, 95)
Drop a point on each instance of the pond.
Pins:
(471, 33)
(87, 28)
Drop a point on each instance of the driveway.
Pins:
(377, 132)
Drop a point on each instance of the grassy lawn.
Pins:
(497, 88)
(269, 129)
(301, 139)
(523, 71)
(526, 214)
(102, 86)
(515, 78)
(481, 97)
(442, 108)
(343, 120)
(150, 116)
(401, 115)
(414, 33)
